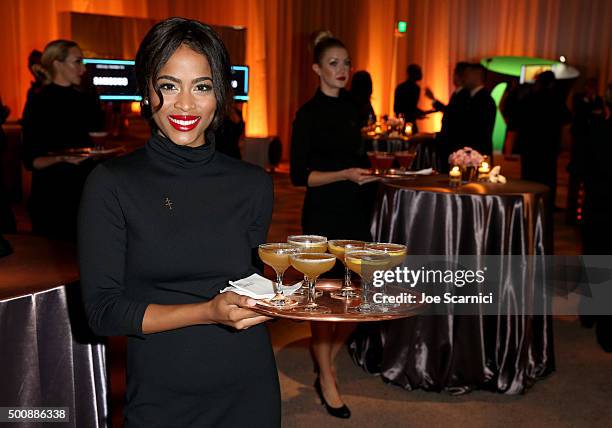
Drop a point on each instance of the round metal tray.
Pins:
(340, 307)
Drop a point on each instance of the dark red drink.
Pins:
(405, 158)
(384, 160)
(372, 158)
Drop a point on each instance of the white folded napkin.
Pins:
(258, 287)
(426, 171)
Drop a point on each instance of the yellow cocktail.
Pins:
(398, 254)
(396, 251)
(364, 263)
(276, 255)
(312, 265)
(338, 248)
(308, 244)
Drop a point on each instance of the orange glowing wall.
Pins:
(439, 34)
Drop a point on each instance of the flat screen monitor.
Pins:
(240, 82)
(115, 79)
(529, 72)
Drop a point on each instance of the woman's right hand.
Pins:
(232, 309)
(359, 175)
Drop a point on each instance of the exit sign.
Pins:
(402, 26)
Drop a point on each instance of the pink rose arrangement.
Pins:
(465, 157)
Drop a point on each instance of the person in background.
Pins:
(361, 92)
(593, 166)
(480, 112)
(37, 71)
(541, 118)
(453, 120)
(326, 158)
(7, 218)
(407, 94)
(230, 132)
(587, 107)
(56, 119)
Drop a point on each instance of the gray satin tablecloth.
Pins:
(48, 357)
(501, 353)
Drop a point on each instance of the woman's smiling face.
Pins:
(186, 84)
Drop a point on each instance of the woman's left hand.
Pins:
(360, 175)
(233, 310)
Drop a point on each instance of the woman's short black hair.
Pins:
(160, 43)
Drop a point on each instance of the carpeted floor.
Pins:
(578, 394)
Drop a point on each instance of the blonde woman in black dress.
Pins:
(326, 157)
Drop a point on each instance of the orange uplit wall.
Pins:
(439, 34)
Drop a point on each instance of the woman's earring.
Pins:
(145, 101)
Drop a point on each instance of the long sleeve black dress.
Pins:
(55, 119)
(171, 225)
(326, 137)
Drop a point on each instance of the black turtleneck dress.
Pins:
(171, 225)
(326, 137)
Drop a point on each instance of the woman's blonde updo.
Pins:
(57, 50)
(321, 42)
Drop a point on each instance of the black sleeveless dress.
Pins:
(171, 225)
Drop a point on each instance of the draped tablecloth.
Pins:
(458, 353)
(48, 356)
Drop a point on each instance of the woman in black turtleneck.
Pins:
(163, 230)
(57, 118)
(326, 157)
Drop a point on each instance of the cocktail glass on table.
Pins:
(364, 263)
(397, 253)
(338, 247)
(405, 159)
(276, 255)
(384, 161)
(312, 265)
(308, 244)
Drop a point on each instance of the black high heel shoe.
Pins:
(339, 412)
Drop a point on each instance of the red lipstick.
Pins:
(184, 123)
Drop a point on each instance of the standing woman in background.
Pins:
(163, 229)
(361, 92)
(57, 118)
(326, 157)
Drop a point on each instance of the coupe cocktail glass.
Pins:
(364, 263)
(373, 161)
(276, 255)
(384, 161)
(338, 247)
(308, 244)
(312, 265)
(397, 253)
(405, 159)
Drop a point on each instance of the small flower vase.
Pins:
(468, 174)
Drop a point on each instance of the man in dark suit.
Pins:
(407, 96)
(450, 137)
(480, 112)
(542, 119)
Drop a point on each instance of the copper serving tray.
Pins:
(339, 307)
